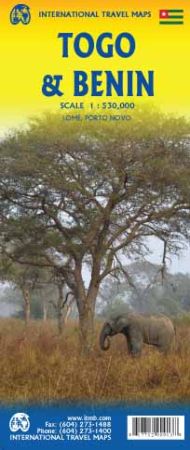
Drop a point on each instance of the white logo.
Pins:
(19, 421)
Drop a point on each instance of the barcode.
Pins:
(155, 427)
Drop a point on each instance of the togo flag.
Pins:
(171, 16)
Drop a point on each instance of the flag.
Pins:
(171, 16)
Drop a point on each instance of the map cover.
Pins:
(94, 225)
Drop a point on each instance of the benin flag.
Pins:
(171, 16)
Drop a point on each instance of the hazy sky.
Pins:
(180, 263)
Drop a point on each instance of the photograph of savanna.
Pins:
(94, 260)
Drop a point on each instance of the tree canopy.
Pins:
(75, 194)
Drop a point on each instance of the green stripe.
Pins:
(175, 10)
(175, 17)
(167, 22)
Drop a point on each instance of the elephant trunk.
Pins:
(104, 337)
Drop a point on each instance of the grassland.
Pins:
(38, 366)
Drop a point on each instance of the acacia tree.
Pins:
(75, 195)
(29, 279)
(23, 277)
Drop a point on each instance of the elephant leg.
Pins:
(129, 345)
(165, 345)
(135, 343)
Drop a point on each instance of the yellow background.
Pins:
(31, 51)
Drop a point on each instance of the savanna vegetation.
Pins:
(41, 367)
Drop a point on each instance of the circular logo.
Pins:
(19, 421)
(20, 14)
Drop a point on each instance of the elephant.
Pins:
(156, 330)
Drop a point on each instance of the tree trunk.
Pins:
(86, 320)
(60, 322)
(67, 312)
(26, 296)
(86, 308)
(86, 330)
(45, 310)
(60, 309)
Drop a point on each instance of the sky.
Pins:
(175, 263)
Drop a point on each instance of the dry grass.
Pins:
(40, 367)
